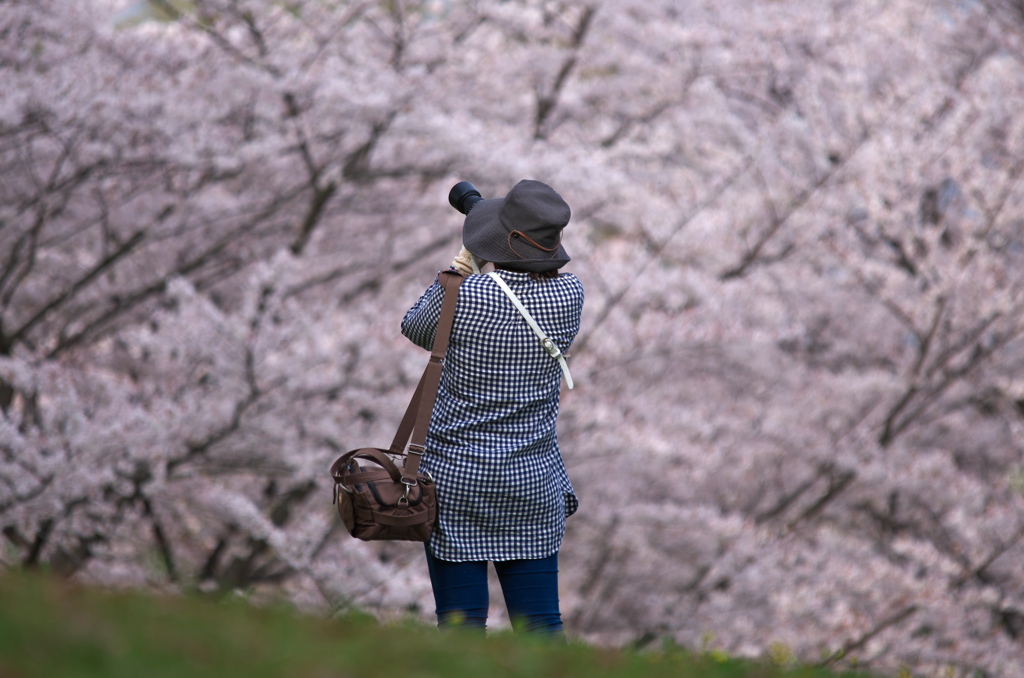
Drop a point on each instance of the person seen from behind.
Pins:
(492, 448)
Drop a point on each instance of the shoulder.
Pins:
(477, 285)
(483, 286)
(570, 280)
(569, 286)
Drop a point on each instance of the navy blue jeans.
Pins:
(530, 589)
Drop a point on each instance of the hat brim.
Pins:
(484, 235)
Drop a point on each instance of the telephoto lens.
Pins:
(464, 196)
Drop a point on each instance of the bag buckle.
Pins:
(341, 486)
(550, 347)
(404, 499)
(418, 451)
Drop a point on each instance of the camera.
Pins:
(464, 196)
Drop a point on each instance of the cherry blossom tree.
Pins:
(798, 421)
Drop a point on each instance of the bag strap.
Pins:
(408, 420)
(546, 343)
(416, 420)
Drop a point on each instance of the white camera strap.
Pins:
(546, 343)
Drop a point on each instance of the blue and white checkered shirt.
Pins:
(503, 491)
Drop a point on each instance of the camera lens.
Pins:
(464, 196)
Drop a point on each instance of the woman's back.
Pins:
(502, 489)
(492, 443)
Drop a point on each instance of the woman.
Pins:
(503, 491)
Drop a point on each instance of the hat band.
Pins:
(520, 234)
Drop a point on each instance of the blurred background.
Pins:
(800, 226)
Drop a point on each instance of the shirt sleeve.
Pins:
(420, 322)
(577, 313)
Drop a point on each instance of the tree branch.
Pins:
(548, 101)
(925, 340)
(753, 255)
(83, 282)
(858, 643)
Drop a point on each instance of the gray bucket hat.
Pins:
(522, 231)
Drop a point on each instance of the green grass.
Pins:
(52, 629)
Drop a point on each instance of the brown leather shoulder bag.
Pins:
(381, 501)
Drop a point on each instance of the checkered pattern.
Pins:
(503, 491)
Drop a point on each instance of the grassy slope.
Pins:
(50, 629)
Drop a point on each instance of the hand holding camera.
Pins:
(463, 197)
(465, 263)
